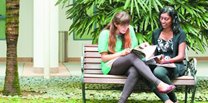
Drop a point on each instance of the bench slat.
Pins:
(95, 52)
(92, 55)
(184, 82)
(92, 60)
(122, 81)
(185, 78)
(104, 76)
(120, 76)
(91, 66)
(94, 49)
(104, 80)
(90, 45)
(93, 71)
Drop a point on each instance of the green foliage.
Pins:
(91, 16)
(2, 18)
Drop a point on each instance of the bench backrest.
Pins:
(91, 69)
(91, 60)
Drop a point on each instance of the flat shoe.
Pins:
(168, 89)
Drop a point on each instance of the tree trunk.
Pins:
(11, 85)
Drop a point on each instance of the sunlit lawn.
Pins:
(68, 90)
(58, 100)
(52, 100)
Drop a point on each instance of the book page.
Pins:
(150, 58)
(170, 65)
(153, 57)
(148, 51)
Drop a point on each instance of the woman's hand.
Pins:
(160, 59)
(106, 57)
(143, 45)
(125, 52)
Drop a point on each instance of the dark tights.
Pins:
(132, 66)
(164, 74)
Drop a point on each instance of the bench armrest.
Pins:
(191, 65)
(82, 64)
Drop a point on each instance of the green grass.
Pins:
(68, 90)
(67, 100)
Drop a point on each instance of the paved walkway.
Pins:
(73, 68)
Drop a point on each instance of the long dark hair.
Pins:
(173, 14)
(120, 18)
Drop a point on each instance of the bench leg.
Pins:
(193, 94)
(83, 93)
(186, 93)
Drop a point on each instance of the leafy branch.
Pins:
(91, 16)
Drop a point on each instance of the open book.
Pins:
(147, 55)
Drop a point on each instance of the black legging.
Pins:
(132, 66)
(132, 78)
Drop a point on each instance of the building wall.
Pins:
(74, 46)
(25, 40)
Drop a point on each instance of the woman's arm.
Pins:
(178, 58)
(181, 53)
(106, 57)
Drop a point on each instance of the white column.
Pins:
(45, 35)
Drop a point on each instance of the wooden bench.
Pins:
(91, 73)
